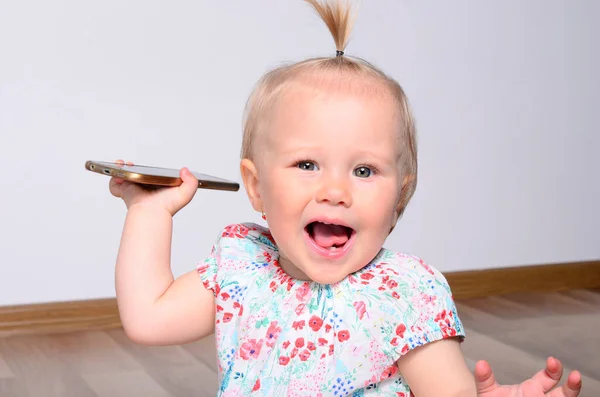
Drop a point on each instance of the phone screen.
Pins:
(158, 171)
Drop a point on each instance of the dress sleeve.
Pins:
(233, 254)
(208, 268)
(428, 308)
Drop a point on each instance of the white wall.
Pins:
(506, 94)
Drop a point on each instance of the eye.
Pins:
(306, 165)
(363, 172)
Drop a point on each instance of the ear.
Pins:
(251, 183)
(401, 202)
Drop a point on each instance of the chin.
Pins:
(327, 277)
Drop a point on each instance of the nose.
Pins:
(335, 190)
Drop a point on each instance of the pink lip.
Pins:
(337, 253)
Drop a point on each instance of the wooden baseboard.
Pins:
(538, 278)
(103, 313)
(59, 317)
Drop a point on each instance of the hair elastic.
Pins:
(339, 53)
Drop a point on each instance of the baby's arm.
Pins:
(155, 308)
(437, 369)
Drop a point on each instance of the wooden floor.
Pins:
(514, 333)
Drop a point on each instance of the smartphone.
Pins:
(156, 176)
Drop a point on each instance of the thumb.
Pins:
(189, 186)
(484, 378)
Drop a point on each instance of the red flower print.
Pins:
(300, 309)
(237, 305)
(371, 381)
(239, 231)
(202, 269)
(327, 328)
(400, 330)
(311, 346)
(395, 295)
(251, 349)
(330, 350)
(322, 356)
(302, 292)
(256, 385)
(283, 360)
(225, 296)
(304, 355)
(322, 342)
(392, 284)
(227, 317)
(300, 342)
(405, 349)
(298, 325)
(440, 316)
(272, 333)
(286, 344)
(366, 276)
(385, 279)
(217, 289)
(343, 335)
(394, 341)
(361, 308)
(447, 330)
(273, 286)
(389, 372)
(315, 323)
(381, 288)
(219, 308)
(294, 352)
(352, 279)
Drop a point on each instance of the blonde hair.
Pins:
(339, 18)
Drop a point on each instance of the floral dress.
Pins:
(279, 336)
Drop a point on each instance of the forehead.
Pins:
(344, 112)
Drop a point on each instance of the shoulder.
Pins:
(239, 250)
(412, 303)
(245, 236)
(404, 274)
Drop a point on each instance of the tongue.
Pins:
(327, 236)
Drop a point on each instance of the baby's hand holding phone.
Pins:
(172, 199)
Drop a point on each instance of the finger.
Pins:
(549, 377)
(190, 184)
(119, 161)
(115, 186)
(129, 163)
(573, 386)
(484, 377)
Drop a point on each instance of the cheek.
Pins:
(387, 198)
(281, 193)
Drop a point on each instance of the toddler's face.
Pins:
(329, 179)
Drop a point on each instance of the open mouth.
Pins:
(329, 236)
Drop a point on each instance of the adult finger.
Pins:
(549, 377)
(571, 388)
(485, 380)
